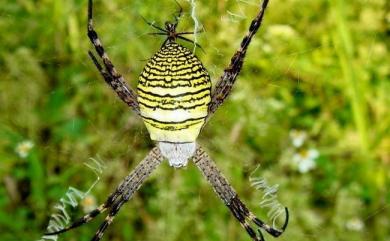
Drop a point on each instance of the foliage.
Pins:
(319, 67)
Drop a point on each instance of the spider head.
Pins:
(171, 30)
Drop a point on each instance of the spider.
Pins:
(175, 100)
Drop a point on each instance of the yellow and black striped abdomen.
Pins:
(173, 94)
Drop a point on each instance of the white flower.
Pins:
(88, 203)
(23, 148)
(298, 137)
(305, 160)
(267, 48)
(355, 224)
(281, 30)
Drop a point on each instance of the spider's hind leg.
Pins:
(83, 220)
(121, 195)
(227, 194)
(142, 171)
(108, 220)
(102, 208)
(241, 212)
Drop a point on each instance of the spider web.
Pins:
(60, 218)
(196, 22)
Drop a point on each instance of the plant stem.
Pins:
(345, 51)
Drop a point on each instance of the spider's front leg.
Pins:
(121, 195)
(227, 194)
(110, 75)
(224, 86)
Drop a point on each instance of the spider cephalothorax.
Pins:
(174, 99)
(171, 30)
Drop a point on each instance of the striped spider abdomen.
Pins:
(174, 91)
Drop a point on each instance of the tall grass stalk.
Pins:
(345, 51)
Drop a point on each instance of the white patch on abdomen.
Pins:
(174, 115)
(177, 153)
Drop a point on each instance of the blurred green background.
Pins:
(311, 107)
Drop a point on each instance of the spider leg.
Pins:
(83, 220)
(102, 208)
(108, 220)
(224, 86)
(156, 33)
(189, 40)
(227, 194)
(192, 32)
(115, 80)
(108, 78)
(124, 191)
(179, 14)
(153, 25)
(131, 188)
(178, 34)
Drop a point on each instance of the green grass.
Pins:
(321, 67)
